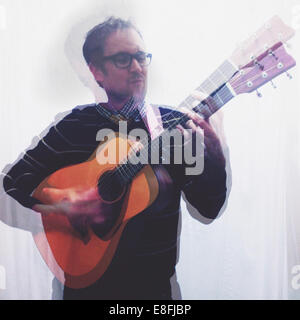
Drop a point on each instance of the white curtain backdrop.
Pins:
(253, 250)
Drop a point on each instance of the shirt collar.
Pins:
(150, 114)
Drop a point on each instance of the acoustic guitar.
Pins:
(126, 189)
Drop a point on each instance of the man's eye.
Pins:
(122, 59)
(141, 57)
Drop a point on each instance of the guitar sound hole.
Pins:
(109, 187)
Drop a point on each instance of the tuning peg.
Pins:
(273, 85)
(289, 76)
(258, 94)
(271, 53)
(260, 66)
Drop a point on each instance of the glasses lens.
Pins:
(143, 58)
(122, 60)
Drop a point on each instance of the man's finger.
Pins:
(91, 194)
(46, 209)
(192, 115)
(198, 121)
(54, 195)
(191, 125)
(58, 195)
(184, 132)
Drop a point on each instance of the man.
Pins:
(146, 256)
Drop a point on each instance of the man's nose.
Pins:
(135, 66)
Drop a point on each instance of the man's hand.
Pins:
(202, 127)
(81, 208)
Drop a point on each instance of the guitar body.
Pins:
(77, 263)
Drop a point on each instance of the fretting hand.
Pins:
(202, 127)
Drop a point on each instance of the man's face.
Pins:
(122, 84)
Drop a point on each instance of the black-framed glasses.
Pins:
(123, 60)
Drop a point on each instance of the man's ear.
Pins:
(97, 73)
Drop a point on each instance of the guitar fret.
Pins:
(190, 100)
(205, 111)
(186, 103)
(220, 99)
(207, 87)
(216, 101)
(223, 74)
(210, 107)
(217, 79)
(228, 69)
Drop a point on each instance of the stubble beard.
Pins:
(121, 98)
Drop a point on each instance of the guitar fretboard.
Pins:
(205, 109)
(213, 83)
(127, 170)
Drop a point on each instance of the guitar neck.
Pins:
(258, 60)
(215, 101)
(128, 170)
(219, 94)
(213, 83)
(205, 109)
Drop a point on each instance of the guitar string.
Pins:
(180, 119)
(144, 159)
(170, 116)
(177, 120)
(121, 168)
(255, 77)
(227, 68)
(188, 101)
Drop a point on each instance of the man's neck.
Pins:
(116, 105)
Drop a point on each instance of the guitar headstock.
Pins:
(273, 32)
(268, 66)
